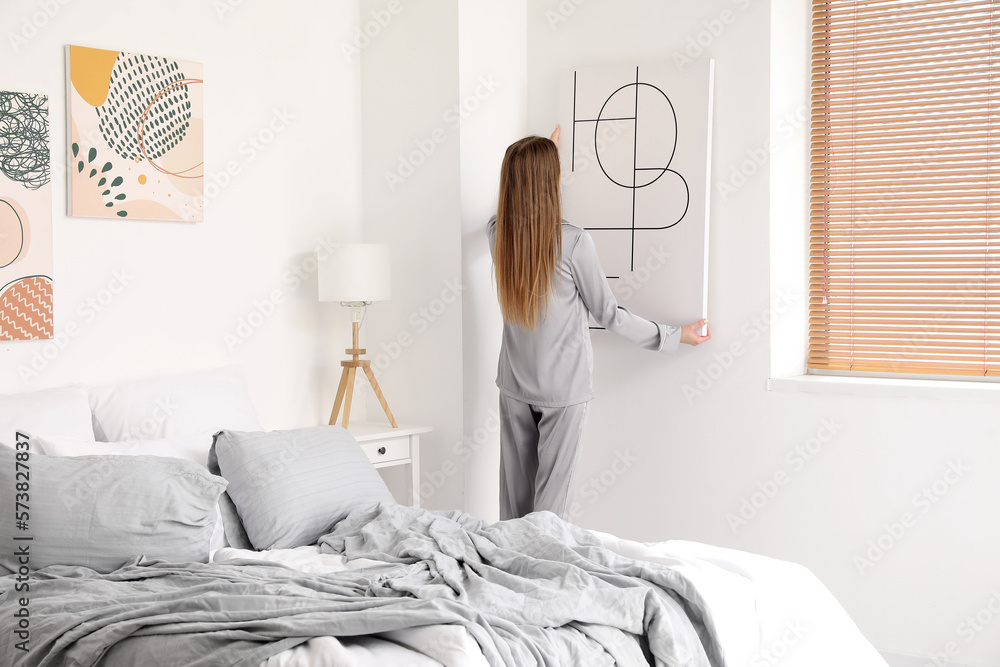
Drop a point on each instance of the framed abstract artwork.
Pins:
(25, 218)
(636, 157)
(135, 136)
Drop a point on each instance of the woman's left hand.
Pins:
(690, 335)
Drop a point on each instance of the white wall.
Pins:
(191, 283)
(693, 462)
(409, 88)
(493, 65)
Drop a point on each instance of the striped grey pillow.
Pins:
(289, 488)
(102, 511)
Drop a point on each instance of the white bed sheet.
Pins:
(796, 621)
(767, 613)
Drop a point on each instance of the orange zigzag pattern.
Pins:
(26, 310)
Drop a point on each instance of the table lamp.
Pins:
(355, 275)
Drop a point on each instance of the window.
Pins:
(904, 256)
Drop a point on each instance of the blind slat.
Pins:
(871, 39)
(957, 56)
(826, 12)
(821, 52)
(830, 115)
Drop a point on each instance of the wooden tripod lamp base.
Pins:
(346, 388)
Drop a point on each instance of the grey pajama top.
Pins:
(553, 365)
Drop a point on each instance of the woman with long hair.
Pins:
(548, 280)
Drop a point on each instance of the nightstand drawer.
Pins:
(385, 451)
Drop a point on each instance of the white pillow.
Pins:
(191, 448)
(171, 406)
(60, 412)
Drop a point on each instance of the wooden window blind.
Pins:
(904, 260)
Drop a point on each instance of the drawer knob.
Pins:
(381, 451)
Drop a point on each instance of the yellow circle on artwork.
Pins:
(142, 179)
(90, 72)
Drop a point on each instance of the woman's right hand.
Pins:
(690, 335)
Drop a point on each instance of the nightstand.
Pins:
(387, 446)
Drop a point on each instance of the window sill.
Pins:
(905, 388)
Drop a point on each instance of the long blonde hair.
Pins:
(528, 242)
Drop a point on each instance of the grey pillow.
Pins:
(288, 488)
(101, 511)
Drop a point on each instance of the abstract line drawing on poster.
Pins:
(655, 106)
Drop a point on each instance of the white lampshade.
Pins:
(355, 272)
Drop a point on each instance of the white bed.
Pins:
(769, 612)
(764, 612)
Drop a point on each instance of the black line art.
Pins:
(24, 138)
(656, 110)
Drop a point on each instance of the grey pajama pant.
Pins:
(539, 447)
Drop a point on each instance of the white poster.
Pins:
(635, 150)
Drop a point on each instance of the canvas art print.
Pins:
(135, 134)
(635, 149)
(25, 218)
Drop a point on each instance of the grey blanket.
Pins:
(532, 591)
